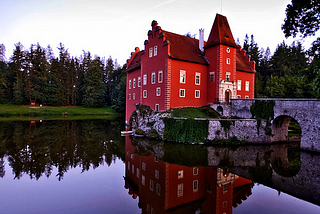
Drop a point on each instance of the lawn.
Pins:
(54, 112)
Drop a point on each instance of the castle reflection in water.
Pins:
(165, 187)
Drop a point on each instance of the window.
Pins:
(247, 85)
(158, 189)
(128, 165)
(158, 91)
(150, 52)
(180, 174)
(156, 174)
(144, 93)
(160, 77)
(132, 167)
(144, 79)
(180, 190)
(155, 51)
(153, 78)
(225, 188)
(143, 166)
(157, 107)
(198, 78)
(139, 81)
(195, 186)
(129, 84)
(197, 94)
(133, 96)
(239, 97)
(143, 180)
(195, 170)
(211, 78)
(228, 50)
(228, 61)
(182, 93)
(134, 83)
(129, 96)
(138, 172)
(239, 85)
(182, 76)
(247, 97)
(228, 76)
(151, 184)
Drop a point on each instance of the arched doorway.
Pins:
(227, 96)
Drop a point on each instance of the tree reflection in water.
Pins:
(35, 147)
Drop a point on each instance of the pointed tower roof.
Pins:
(220, 33)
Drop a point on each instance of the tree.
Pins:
(302, 16)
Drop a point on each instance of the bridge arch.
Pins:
(285, 128)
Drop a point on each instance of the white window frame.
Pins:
(153, 77)
(138, 172)
(134, 83)
(145, 94)
(211, 77)
(151, 184)
(143, 180)
(239, 97)
(180, 190)
(144, 166)
(158, 91)
(228, 61)
(155, 51)
(129, 96)
(180, 174)
(183, 76)
(156, 174)
(239, 85)
(195, 170)
(182, 93)
(247, 97)
(158, 189)
(145, 79)
(129, 84)
(139, 81)
(228, 50)
(195, 186)
(247, 86)
(197, 93)
(150, 52)
(157, 107)
(197, 78)
(160, 76)
(228, 76)
(134, 96)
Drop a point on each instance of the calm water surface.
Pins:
(87, 167)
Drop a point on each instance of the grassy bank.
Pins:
(71, 112)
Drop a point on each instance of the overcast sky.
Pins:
(115, 27)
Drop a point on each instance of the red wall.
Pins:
(245, 76)
(189, 86)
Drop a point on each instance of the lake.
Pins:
(86, 166)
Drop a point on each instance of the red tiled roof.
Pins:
(242, 63)
(220, 33)
(184, 48)
(136, 61)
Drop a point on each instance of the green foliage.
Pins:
(185, 130)
(191, 112)
(226, 125)
(263, 110)
(93, 88)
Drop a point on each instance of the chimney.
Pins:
(201, 39)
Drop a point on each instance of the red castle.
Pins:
(178, 71)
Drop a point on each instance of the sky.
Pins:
(115, 27)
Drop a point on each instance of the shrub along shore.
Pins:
(63, 112)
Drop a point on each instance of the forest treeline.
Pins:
(291, 72)
(36, 74)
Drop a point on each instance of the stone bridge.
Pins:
(305, 111)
